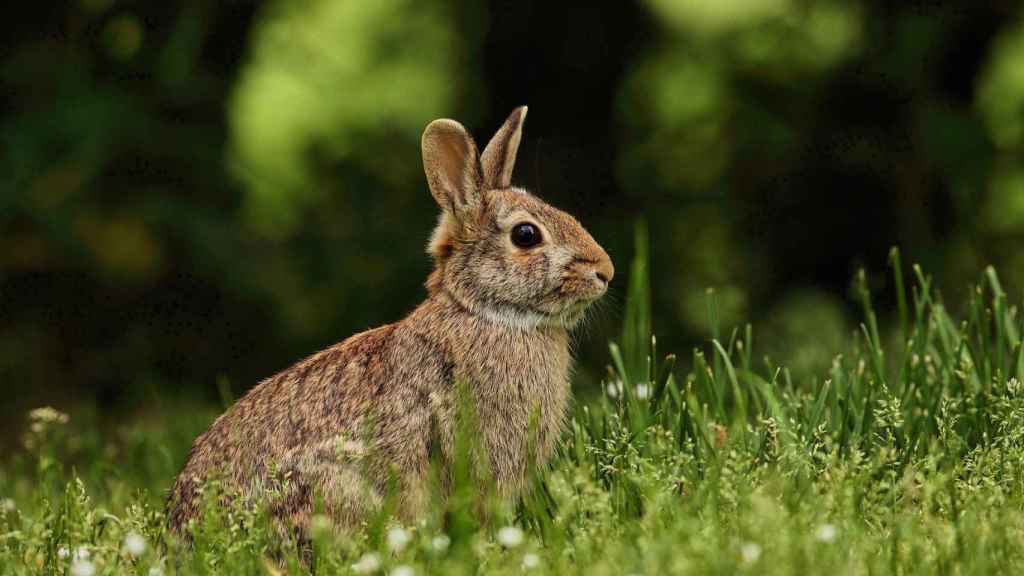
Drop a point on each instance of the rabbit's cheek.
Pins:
(559, 261)
(529, 269)
(570, 290)
(521, 262)
(490, 274)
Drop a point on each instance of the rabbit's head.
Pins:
(501, 252)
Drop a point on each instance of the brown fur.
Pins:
(347, 424)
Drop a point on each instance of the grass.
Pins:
(906, 460)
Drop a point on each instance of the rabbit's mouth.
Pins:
(577, 290)
(574, 312)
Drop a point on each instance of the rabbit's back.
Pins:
(330, 428)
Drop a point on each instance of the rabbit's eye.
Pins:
(525, 235)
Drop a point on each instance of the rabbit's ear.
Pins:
(452, 167)
(499, 156)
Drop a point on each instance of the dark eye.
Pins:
(525, 235)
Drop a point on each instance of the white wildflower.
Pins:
(368, 564)
(642, 391)
(440, 543)
(614, 389)
(826, 533)
(510, 536)
(82, 553)
(63, 552)
(48, 415)
(530, 561)
(134, 544)
(82, 567)
(750, 552)
(8, 506)
(403, 570)
(398, 539)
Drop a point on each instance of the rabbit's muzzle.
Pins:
(587, 279)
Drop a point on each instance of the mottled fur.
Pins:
(350, 423)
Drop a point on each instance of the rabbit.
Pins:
(348, 426)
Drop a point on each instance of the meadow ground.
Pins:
(907, 460)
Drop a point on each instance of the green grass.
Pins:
(904, 460)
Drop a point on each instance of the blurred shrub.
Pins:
(334, 83)
(1001, 90)
(1000, 101)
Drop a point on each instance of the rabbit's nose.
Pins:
(604, 271)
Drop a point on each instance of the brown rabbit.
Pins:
(513, 276)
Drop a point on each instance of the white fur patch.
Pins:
(518, 319)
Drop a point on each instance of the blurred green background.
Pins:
(198, 194)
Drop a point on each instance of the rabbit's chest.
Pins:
(521, 391)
